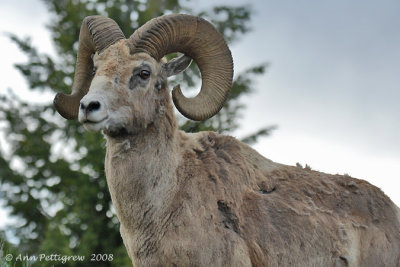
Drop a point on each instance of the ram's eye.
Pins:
(144, 74)
(94, 71)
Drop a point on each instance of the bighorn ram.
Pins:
(206, 199)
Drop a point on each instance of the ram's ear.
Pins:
(177, 65)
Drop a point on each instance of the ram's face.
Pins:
(126, 92)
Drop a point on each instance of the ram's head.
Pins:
(121, 84)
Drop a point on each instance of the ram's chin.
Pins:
(94, 126)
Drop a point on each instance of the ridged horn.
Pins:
(198, 39)
(96, 34)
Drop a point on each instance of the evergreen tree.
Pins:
(53, 175)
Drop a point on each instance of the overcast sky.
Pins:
(332, 87)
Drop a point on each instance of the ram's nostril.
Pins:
(93, 106)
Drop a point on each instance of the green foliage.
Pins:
(51, 173)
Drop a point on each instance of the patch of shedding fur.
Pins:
(314, 207)
(342, 233)
(307, 167)
(352, 250)
(124, 146)
(356, 225)
(323, 190)
(162, 110)
(348, 245)
(300, 213)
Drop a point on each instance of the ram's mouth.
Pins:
(94, 122)
(92, 125)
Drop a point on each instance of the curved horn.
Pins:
(97, 33)
(198, 39)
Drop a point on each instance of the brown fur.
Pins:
(206, 199)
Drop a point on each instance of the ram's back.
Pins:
(283, 215)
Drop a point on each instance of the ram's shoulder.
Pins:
(211, 148)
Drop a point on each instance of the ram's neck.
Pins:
(140, 172)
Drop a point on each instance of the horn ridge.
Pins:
(104, 32)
